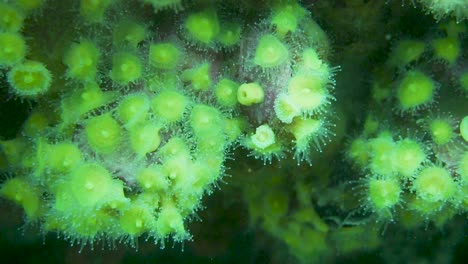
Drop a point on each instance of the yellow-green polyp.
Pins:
(30, 79)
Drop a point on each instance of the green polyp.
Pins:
(425, 208)
(62, 157)
(226, 92)
(178, 169)
(81, 60)
(12, 48)
(441, 131)
(126, 68)
(92, 97)
(118, 200)
(164, 55)
(89, 224)
(212, 142)
(434, 184)
(205, 173)
(63, 198)
(286, 16)
(152, 179)
(384, 193)
(415, 89)
(234, 127)
(407, 51)
(36, 124)
(90, 183)
(270, 52)
(285, 109)
(23, 193)
(203, 26)
(447, 49)
(170, 221)
(230, 34)
(284, 22)
(103, 133)
(359, 151)
(409, 155)
(174, 146)
(13, 18)
(83, 101)
(30, 79)
(129, 32)
(263, 137)
(137, 219)
(163, 80)
(199, 77)
(311, 61)
(133, 109)
(14, 150)
(382, 157)
(304, 130)
(169, 105)
(308, 92)
(250, 93)
(205, 119)
(145, 138)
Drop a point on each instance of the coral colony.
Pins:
(137, 106)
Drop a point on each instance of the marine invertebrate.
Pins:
(428, 143)
(152, 103)
(141, 125)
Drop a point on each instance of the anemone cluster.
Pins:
(137, 105)
(413, 146)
